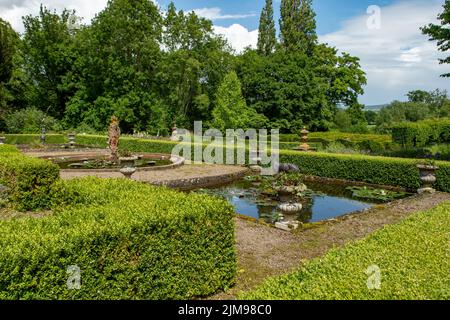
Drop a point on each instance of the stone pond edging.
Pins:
(203, 182)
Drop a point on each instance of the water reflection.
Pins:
(323, 202)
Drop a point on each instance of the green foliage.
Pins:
(6, 148)
(421, 105)
(311, 88)
(8, 48)
(30, 120)
(28, 179)
(231, 111)
(298, 26)
(130, 241)
(48, 45)
(8, 43)
(412, 257)
(422, 133)
(342, 120)
(267, 38)
(371, 117)
(440, 33)
(35, 139)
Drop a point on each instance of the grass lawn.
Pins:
(413, 258)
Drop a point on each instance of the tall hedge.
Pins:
(422, 133)
(129, 240)
(28, 179)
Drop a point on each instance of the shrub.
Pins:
(28, 120)
(130, 241)
(28, 179)
(412, 257)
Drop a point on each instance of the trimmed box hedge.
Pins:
(6, 148)
(129, 240)
(377, 170)
(35, 138)
(412, 258)
(28, 179)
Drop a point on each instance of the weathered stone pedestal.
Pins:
(428, 178)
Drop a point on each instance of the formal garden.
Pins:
(103, 195)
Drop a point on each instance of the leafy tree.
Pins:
(8, 48)
(267, 38)
(371, 116)
(441, 33)
(8, 44)
(342, 120)
(29, 120)
(117, 68)
(231, 111)
(48, 59)
(298, 25)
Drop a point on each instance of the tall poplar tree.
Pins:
(267, 39)
(298, 25)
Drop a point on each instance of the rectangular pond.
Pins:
(321, 201)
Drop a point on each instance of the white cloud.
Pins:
(13, 10)
(397, 57)
(238, 36)
(216, 14)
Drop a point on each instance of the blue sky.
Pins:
(396, 57)
(330, 13)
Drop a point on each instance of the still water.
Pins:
(322, 202)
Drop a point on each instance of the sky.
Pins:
(396, 57)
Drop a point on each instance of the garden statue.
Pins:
(174, 136)
(113, 141)
(43, 135)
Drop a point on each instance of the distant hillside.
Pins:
(375, 108)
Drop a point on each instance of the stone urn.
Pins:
(2, 140)
(290, 208)
(128, 162)
(128, 172)
(428, 178)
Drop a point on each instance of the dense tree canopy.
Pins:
(152, 67)
(8, 47)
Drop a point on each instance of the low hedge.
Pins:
(332, 136)
(129, 240)
(377, 170)
(412, 258)
(422, 133)
(35, 139)
(28, 179)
